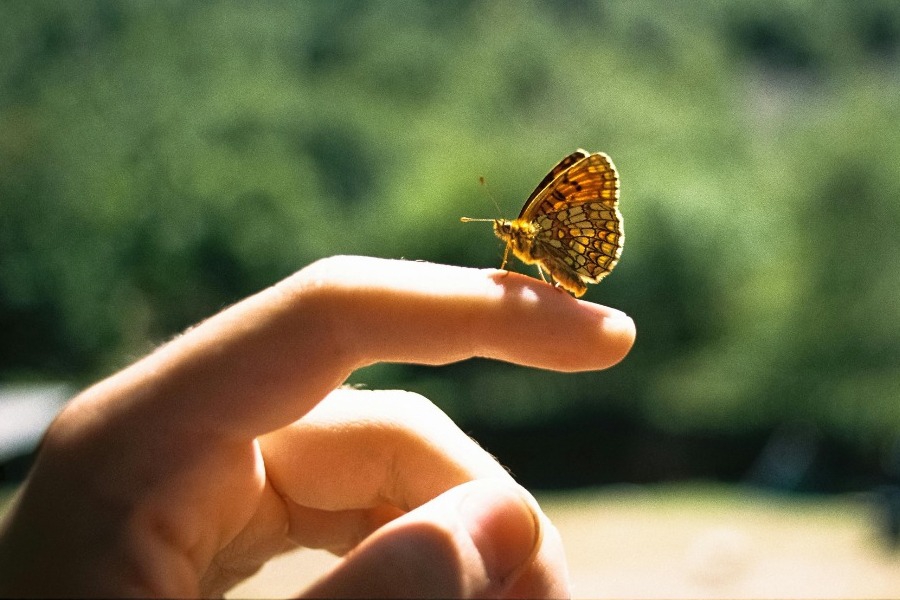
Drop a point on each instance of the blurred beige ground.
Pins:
(687, 541)
(684, 541)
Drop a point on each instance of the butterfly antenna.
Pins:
(483, 182)
(487, 190)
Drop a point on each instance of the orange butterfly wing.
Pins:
(576, 211)
(553, 174)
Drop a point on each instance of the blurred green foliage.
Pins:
(160, 160)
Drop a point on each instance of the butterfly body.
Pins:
(570, 225)
(522, 238)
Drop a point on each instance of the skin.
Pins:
(185, 472)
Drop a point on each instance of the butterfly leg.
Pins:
(505, 257)
(552, 281)
(556, 284)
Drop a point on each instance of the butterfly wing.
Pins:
(578, 217)
(553, 174)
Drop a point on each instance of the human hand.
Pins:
(185, 472)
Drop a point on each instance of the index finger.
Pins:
(434, 314)
(265, 362)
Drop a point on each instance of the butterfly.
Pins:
(570, 225)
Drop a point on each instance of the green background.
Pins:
(160, 160)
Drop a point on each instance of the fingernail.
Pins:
(619, 322)
(504, 526)
(618, 333)
(613, 321)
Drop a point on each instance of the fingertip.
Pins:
(589, 337)
(504, 526)
(618, 333)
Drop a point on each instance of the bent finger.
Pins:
(360, 458)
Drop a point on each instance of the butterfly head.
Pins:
(503, 228)
(517, 234)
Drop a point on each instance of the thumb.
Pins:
(472, 541)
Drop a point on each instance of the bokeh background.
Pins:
(161, 160)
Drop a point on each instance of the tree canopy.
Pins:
(161, 160)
